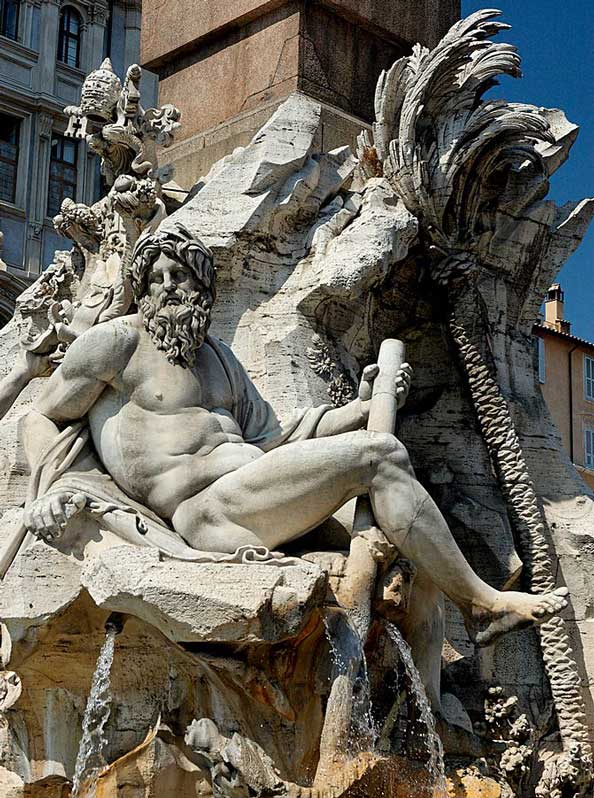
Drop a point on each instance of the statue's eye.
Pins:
(156, 278)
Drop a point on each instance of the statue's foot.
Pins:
(512, 610)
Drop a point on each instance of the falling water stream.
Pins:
(89, 760)
(349, 658)
(436, 764)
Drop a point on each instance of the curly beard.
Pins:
(178, 330)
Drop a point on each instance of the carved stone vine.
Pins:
(569, 775)
(324, 362)
(504, 448)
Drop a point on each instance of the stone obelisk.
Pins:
(229, 65)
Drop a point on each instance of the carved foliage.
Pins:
(434, 136)
(326, 363)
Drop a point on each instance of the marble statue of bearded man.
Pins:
(183, 438)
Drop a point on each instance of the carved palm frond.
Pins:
(443, 148)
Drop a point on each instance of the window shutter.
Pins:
(589, 378)
(589, 447)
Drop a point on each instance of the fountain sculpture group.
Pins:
(207, 591)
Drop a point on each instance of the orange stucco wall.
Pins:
(556, 391)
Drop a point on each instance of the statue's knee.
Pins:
(381, 448)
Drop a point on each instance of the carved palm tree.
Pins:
(475, 173)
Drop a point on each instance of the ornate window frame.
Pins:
(4, 4)
(72, 166)
(24, 117)
(589, 378)
(589, 448)
(63, 44)
(11, 162)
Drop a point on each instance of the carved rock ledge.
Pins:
(187, 602)
(207, 602)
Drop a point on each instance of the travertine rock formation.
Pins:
(437, 233)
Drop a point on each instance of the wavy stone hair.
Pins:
(179, 244)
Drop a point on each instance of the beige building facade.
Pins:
(566, 373)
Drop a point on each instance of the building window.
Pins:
(589, 447)
(9, 156)
(589, 378)
(541, 360)
(69, 38)
(62, 182)
(9, 18)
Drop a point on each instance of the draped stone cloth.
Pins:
(70, 463)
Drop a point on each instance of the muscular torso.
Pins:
(165, 432)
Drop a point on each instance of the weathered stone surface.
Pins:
(257, 175)
(246, 74)
(315, 271)
(41, 584)
(469, 785)
(242, 57)
(192, 602)
(167, 29)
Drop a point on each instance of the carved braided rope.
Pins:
(506, 455)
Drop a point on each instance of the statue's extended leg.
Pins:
(290, 490)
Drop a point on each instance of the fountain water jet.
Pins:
(350, 665)
(90, 759)
(435, 765)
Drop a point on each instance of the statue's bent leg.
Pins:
(278, 497)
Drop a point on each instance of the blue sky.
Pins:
(556, 42)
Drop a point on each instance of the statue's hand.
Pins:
(31, 365)
(366, 384)
(403, 382)
(402, 387)
(47, 516)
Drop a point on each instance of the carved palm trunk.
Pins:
(501, 440)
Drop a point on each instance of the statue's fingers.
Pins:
(49, 522)
(28, 519)
(37, 523)
(58, 510)
(79, 501)
(370, 372)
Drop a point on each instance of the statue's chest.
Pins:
(167, 388)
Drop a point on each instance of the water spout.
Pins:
(349, 661)
(435, 765)
(89, 760)
(115, 621)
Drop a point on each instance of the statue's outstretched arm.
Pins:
(88, 367)
(28, 365)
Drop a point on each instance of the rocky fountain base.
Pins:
(243, 647)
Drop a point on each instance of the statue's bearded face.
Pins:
(175, 310)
